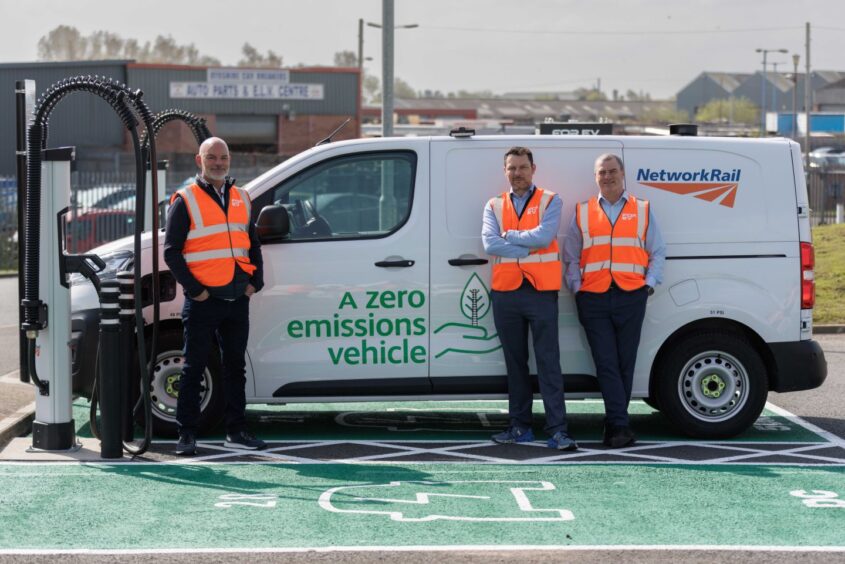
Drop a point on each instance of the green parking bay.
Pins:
(779, 485)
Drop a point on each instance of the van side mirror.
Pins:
(273, 224)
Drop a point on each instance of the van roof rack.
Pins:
(462, 133)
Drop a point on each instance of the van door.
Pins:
(345, 304)
(466, 356)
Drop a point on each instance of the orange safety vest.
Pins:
(613, 251)
(217, 240)
(542, 267)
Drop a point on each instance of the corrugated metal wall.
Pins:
(340, 93)
(88, 123)
(80, 119)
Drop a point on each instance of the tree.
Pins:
(633, 96)
(345, 59)
(372, 87)
(663, 116)
(590, 94)
(734, 110)
(65, 43)
(402, 89)
(253, 58)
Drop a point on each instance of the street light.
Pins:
(763, 88)
(387, 29)
(795, 58)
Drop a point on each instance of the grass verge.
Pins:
(829, 242)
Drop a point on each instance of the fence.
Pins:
(826, 189)
(102, 208)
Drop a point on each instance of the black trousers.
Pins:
(613, 322)
(207, 324)
(514, 313)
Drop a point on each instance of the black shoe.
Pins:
(618, 436)
(244, 440)
(187, 444)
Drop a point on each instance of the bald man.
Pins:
(211, 248)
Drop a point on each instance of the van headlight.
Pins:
(115, 262)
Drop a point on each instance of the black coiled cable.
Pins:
(195, 123)
(116, 95)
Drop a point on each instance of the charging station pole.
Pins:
(162, 182)
(53, 428)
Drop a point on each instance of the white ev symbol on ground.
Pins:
(420, 501)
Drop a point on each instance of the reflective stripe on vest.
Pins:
(217, 241)
(613, 252)
(542, 267)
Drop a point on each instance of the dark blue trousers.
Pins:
(612, 322)
(513, 313)
(214, 323)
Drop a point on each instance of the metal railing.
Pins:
(826, 190)
(102, 208)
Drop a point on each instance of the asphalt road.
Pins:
(8, 324)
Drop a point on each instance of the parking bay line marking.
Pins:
(435, 548)
(827, 435)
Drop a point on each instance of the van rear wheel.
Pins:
(164, 387)
(712, 385)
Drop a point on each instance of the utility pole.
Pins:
(807, 103)
(361, 44)
(795, 58)
(387, 32)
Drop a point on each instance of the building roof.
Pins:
(533, 110)
(839, 84)
(730, 81)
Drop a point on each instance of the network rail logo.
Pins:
(713, 185)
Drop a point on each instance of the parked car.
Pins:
(96, 227)
(826, 157)
(104, 196)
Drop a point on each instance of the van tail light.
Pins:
(808, 278)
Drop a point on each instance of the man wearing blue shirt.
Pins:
(520, 231)
(614, 255)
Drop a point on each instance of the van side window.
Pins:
(351, 197)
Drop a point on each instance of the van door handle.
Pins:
(468, 261)
(395, 263)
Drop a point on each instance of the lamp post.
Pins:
(763, 88)
(795, 58)
(387, 29)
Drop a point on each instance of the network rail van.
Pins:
(377, 287)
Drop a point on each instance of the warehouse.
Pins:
(267, 113)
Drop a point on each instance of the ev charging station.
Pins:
(53, 428)
(45, 289)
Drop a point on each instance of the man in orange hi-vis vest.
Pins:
(614, 256)
(520, 231)
(212, 251)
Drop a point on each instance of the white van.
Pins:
(379, 289)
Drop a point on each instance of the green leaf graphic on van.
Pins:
(474, 305)
(475, 299)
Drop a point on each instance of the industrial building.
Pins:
(273, 112)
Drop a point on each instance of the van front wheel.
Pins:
(712, 385)
(164, 387)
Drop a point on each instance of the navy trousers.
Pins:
(513, 313)
(612, 322)
(214, 323)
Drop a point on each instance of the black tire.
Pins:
(712, 385)
(652, 403)
(164, 387)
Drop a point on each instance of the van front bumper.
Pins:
(798, 365)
